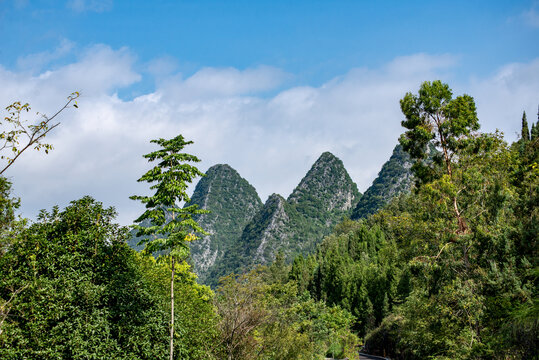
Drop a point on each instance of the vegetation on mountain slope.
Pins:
(394, 178)
(426, 283)
(232, 202)
(323, 198)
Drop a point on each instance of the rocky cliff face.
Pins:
(327, 186)
(296, 225)
(232, 202)
(394, 178)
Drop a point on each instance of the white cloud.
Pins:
(421, 64)
(271, 141)
(163, 66)
(35, 62)
(90, 5)
(222, 82)
(503, 97)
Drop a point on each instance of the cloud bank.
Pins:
(272, 140)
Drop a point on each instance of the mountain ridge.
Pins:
(243, 231)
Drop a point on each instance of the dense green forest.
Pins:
(446, 271)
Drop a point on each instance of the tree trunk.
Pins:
(172, 311)
(461, 223)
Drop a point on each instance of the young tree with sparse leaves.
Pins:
(20, 135)
(171, 227)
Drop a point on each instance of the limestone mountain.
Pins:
(232, 202)
(394, 178)
(296, 225)
(244, 232)
(271, 228)
(326, 193)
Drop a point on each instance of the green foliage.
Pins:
(196, 322)
(82, 293)
(394, 178)
(525, 132)
(171, 177)
(534, 132)
(463, 285)
(418, 285)
(354, 268)
(78, 291)
(233, 203)
(264, 317)
(8, 207)
(434, 117)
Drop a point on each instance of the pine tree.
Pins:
(169, 235)
(525, 133)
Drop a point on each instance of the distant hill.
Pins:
(394, 178)
(244, 232)
(295, 226)
(232, 202)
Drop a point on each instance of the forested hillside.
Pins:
(232, 202)
(323, 198)
(447, 268)
(394, 178)
(450, 270)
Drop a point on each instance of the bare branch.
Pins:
(34, 133)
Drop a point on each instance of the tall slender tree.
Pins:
(170, 227)
(525, 132)
(534, 133)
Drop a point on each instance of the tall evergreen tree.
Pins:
(535, 128)
(525, 133)
(169, 235)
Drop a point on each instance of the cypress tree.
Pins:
(525, 133)
(535, 128)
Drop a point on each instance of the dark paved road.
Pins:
(370, 357)
(366, 357)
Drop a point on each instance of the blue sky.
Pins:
(265, 86)
(314, 40)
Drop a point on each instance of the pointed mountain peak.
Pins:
(274, 199)
(220, 168)
(327, 156)
(394, 178)
(327, 181)
(220, 179)
(232, 203)
(325, 159)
